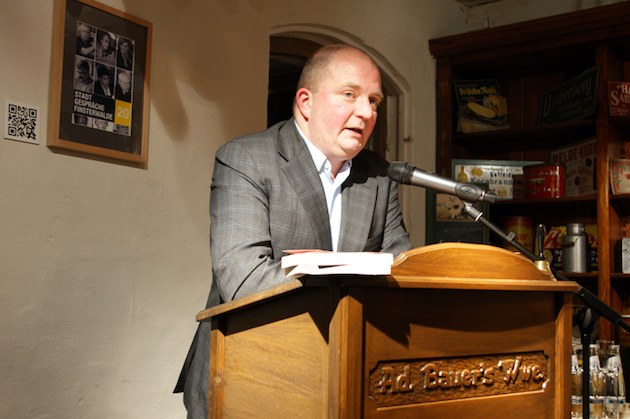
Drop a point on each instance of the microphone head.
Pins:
(400, 172)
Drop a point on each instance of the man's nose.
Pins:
(364, 108)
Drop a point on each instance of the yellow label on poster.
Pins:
(123, 113)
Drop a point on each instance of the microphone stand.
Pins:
(585, 316)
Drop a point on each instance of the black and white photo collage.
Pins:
(103, 79)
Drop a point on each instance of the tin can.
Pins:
(523, 228)
(575, 246)
(544, 181)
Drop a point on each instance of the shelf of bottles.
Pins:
(607, 389)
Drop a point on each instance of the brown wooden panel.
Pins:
(276, 358)
(564, 323)
(464, 260)
(527, 406)
(350, 350)
(444, 123)
(560, 31)
(429, 325)
(605, 255)
(217, 367)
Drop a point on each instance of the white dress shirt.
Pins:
(332, 188)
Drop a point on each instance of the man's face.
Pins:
(84, 75)
(123, 81)
(84, 33)
(105, 80)
(343, 108)
(105, 42)
(124, 47)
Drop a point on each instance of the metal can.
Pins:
(544, 181)
(523, 230)
(575, 254)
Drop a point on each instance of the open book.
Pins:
(321, 262)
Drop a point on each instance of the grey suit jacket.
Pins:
(266, 197)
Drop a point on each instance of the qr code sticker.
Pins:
(21, 122)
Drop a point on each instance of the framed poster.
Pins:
(99, 81)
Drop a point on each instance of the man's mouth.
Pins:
(357, 130)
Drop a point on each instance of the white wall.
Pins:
(103, 267)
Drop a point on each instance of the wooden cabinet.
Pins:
(527, 59)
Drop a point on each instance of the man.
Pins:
(303, 184)
(85, 42)
(124, 58)
(101, 124)
(83, 79)
(103, 86)
(105, 51)
(123, 88)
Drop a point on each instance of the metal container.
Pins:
(575, 254)
(544, 181)
(522, 227)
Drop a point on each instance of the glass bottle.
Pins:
(615, 394)
(462, 176)
(596, 396)
(576, 382)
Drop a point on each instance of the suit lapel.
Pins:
(359, 199)
(303, 177)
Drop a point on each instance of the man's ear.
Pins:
(303, 101)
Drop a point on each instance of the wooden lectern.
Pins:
(457, 330)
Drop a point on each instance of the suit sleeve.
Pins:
(240, 241)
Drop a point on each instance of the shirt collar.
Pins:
(318, 157)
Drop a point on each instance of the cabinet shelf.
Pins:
(621, 203)
(550, 212)
(551, 201)
(622, 122)
(580, 276)
(527, 138)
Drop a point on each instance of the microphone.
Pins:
(407, 174)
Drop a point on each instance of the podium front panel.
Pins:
(463, 353)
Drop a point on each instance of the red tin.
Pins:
(544, 181)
